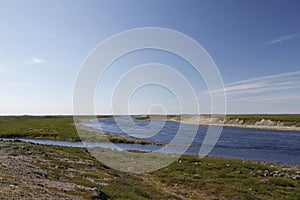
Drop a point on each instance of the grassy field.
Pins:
(62, 127)
(47, 127)
(52, 128)
(73, 171)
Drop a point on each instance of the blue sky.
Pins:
(255, 45)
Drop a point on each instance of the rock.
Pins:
(197, 176)
(266, 173)
(265, 181)
(25, 148)
(13, 186)
(98, 194)
(40, 185)
(40, 173)
(90, 165)
(238, 172)
(44, 154)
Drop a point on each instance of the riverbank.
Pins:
(51, 172)
(269, 146)
(63, 128)
(95, 135)
(59, 128)
(266, 122)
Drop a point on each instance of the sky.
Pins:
(255, 45)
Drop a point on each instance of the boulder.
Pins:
(265, 181)
(98, 194)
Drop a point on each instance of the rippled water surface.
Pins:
(255, 144)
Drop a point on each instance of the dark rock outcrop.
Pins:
(98, 194)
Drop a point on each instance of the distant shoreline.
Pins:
(258, 121)
(240, 124)
(263, 127)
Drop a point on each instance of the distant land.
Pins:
(258, 121)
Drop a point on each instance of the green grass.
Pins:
(192, 178)
(63, 128)
(230, 178)
(47, 127)
(94, 175)
(85, 168)
(53, 128)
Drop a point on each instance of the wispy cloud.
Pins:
(276, 98)
(275, 88)
(282, 38)
(35, 60)
(276, 82)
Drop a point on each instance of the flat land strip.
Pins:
(31, 171)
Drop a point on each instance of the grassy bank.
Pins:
(63, 128)
(57, 128)
(46, 127)
(71, 172)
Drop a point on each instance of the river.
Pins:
(282, 147)
(273, 146)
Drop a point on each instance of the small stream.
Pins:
(116, 146)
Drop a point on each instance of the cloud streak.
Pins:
(277, 98)
(278, 82)
(268, 89)
(35, 60)
(282, 39)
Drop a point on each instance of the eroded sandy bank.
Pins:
(238, 123)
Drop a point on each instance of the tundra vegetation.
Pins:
(39, 171)
(62, 127)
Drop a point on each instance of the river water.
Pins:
(281, 147)
(254, 144)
